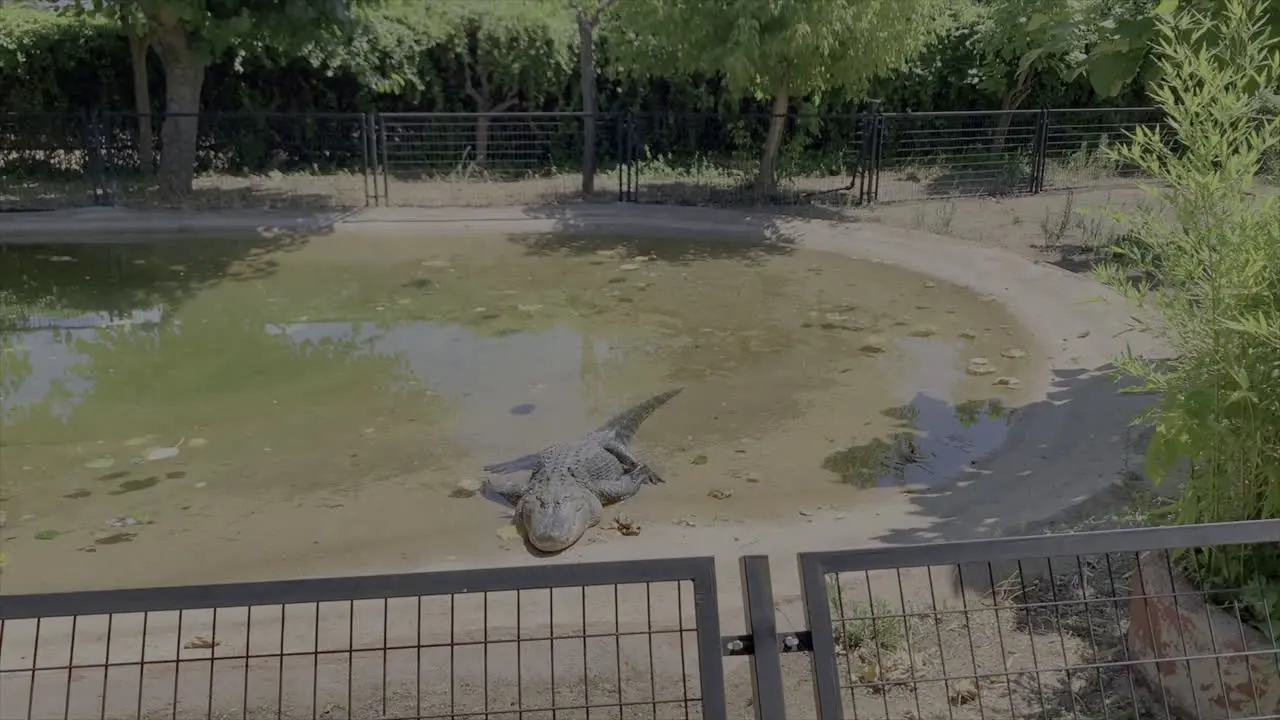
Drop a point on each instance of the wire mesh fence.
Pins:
(1109, 624)
(461, 159)
(704, 159)
(1076, 141)
(621, 640)
(1112, 624)
(317, 160)
(956, 154)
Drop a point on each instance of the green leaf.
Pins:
(47, 534)
(1166, 7)
(1110, 71)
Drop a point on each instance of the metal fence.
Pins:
(323, 160)
(1107, 624)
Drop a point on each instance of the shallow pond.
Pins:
(197, 411)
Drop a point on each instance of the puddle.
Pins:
(331, 396)
(931, 443)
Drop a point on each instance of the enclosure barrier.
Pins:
(349, 160)
(1086, 625)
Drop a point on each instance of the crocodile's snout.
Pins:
(554, 524)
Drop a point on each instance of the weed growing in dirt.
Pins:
(1054, 226)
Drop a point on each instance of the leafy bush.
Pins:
(1209, 249)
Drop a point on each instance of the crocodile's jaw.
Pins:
(554, 521)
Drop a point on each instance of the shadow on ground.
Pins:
(583, 229)
(1060, 451)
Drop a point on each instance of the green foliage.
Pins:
(400, 57)
(804, 48)
(55, 62)
(1210, 252)
(1125, 31)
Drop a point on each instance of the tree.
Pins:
(1017, 40)
(589, 14)
(1125, 31)
(187, 35)
(782, 51)
(509, 52)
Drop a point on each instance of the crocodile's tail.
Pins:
(624, 424)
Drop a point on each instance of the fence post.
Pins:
(633, 162)
(869, 154)
(95, 162)
(380, 149)
(619, 128)
(762, 626)
(1040, 160)
(368, 160)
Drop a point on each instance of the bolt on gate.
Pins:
(1105, 624)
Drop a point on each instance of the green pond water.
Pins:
(202, 410)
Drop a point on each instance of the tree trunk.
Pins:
(587, 79)
(138, 47)
(1008, 104)
(183, 81)
(767, 180)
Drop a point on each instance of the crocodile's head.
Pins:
(555, 515)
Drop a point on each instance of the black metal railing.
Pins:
(456, 159)
(1095, 624)
(329, 160)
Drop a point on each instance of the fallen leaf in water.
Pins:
(698, 460)
(101, 463)
(77, 494)
(116, 538)
(719, 494)
(47, 534)
(197, 442)
(139, 441)
(161, 453)
(200, 642)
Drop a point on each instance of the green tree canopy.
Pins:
(779, 50)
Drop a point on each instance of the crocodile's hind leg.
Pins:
(510, 489)
(630, 462)
(623, 486)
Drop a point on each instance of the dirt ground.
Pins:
(1058, 225)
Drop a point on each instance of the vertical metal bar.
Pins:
(364, 160)
(619, 128)
(826, 675)
(877, 148)
(382, 139)
(706, 609)
(633, 167)
(762, 626)
(1042, 151)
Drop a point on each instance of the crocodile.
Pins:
(569, 483)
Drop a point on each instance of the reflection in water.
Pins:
(935, 440)
(488, 378)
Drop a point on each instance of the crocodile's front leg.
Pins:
(509, 488)
(630, 462)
